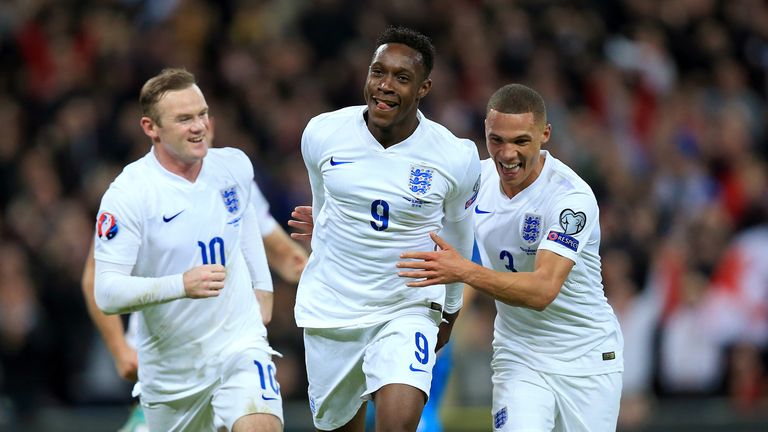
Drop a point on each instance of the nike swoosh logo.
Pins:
(334, 163)
(478, 211)
(267, 398)
(416, 369)
(168, 219)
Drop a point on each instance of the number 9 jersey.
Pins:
(372, 203)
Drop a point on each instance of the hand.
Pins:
(291, 270)
(444, 332)
(302, 222)
(439, 267)
(204, 281)
(127, 364)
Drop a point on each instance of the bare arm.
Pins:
(266, 300)
(533, 290)
(286, 256)
(109, 326)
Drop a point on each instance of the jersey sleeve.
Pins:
(119, 227)
(255, 256)
(569, 224)
(309, 152)
(459, 204)
(264, 218)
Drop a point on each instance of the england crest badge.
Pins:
(420, 180)
(531, 228)
(231, 201)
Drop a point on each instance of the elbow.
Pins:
(546, 297)
(104, 302)
(106, 307)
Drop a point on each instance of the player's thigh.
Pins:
(248, 394)
(334, 359)
(187, 414)
(402, 352)
(589, 403)
(522, 400)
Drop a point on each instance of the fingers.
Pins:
(439, 241)
(302, 213)
(205, 280)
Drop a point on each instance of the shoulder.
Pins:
(334, 119)
(567, 182)
(226, 154)
(135, 176)
(459, 148)
(230, 159)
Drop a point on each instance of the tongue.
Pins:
(383, 106)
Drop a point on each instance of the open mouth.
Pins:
(510, 168)
(197, 140)
(384, 105)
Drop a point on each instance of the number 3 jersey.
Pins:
(371, 204)
(162, 225)
(578, 333)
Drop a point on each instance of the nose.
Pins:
(199, 124)
(508, 150)
(385, 84)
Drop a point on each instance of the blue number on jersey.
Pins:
(422, 345)
(270, 374)
(510, 264)
(212, 248)
(380, 213)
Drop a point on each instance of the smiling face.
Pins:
(396, 82)
(181, 133)
(514, 142)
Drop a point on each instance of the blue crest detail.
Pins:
(231, 201)
(531, 228)
(500, 418)
(420, 181)
(415, 202)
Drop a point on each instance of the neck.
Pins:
(188, 171)
(394, 134)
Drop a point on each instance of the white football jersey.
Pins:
(578, 333)
(267, 223)
(162, 224)
(371, 204)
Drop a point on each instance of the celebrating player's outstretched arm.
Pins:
(534, 290)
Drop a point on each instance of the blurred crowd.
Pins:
(661, 105)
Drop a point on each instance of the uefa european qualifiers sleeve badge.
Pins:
(106, 226)
(572, 223)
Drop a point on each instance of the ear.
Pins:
(424, 88)
(546, 133)
(149, 127)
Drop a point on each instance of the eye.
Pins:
(403, 78)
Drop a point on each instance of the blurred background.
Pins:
(659, 104)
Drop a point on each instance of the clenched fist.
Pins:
(204, 281)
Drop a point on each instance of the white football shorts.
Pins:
(529, 400)
(345, 366)
(246, 385)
